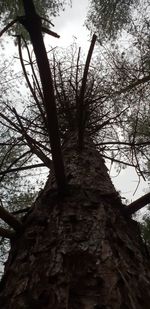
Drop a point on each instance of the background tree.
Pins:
(77, 229)
(9, 10)
(127, 52)
(110, 18)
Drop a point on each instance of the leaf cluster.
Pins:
(107, 17)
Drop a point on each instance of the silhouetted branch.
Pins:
(33, 71)
(9, 218)
(13, 125)
(63, 101)
(118, 161)
(32, 143)
(80, 103)
(14, 162)
(138, 82)
(27, 79)
(107, 122)
(20, 211)
(32, 22)
(8, 153)
(5, 233)
(77, 73)
(50, 32)
(124, 143)
(8, 26)
(137, 205)
(48, 21)
(21, 168)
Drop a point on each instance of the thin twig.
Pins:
(47, 86)
(48, 21)
(8, 26)
(27, 79)
(80, 103)
(14, 162)
(138, 82)
(124, 143)
(118, 161)
(33, 71)
(22, 168)
(32, 143)
(77, 73)
(5, 233)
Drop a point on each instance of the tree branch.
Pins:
(32, 143)
(50, 32)
(8, 26)
(9, 218)
(80, 101)
(118, 161)
(27, 79)
(22, 168)
(138, 82)
(20, 211)
(13, 163)
(32, 22)
(137, 205)
(5, 233)
(124, 143)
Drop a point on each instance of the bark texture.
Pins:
(78, 251)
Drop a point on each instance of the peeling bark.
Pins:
(77, 250)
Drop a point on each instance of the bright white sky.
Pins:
(70, 26)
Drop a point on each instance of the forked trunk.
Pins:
(78, 251)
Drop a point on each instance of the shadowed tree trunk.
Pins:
(77, 250)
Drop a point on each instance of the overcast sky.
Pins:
(70, 26)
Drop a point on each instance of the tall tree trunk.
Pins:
(78, 251)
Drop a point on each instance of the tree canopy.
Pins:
(10, 9)
(109, 18)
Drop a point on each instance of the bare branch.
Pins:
(32, 143)
(50, 32)
(137, 205)
(32, 68)
(118, 161)
(8, 26)
(124, 143)
(9, 218)
(26, 76)
(22, 168)
(14, 162)
(80, 101)
(47, 85)
(77, 73)
(5, 233)
(20, 211)
(48, 21)
(138, 82)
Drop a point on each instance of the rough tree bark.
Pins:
(78, 250)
